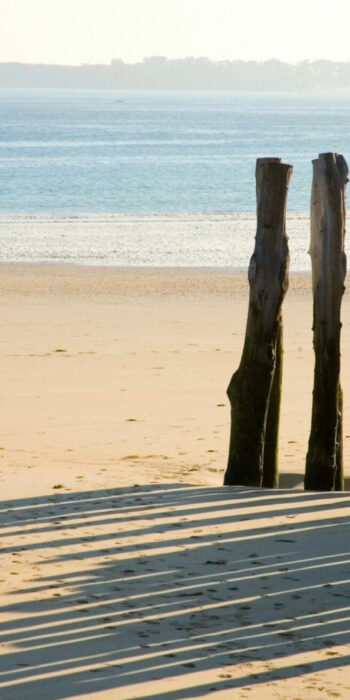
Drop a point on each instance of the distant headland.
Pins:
(161, 73)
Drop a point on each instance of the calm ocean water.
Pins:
(119, 178)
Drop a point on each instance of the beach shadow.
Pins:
(165, 583)
(292, 480)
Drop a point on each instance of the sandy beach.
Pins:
(128, 571)
(122, 373)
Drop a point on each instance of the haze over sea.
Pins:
(166, 178)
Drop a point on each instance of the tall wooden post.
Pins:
(324, 458)
(250, 387)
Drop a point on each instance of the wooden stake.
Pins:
(270, 461)
(324, 457)
(250, 387)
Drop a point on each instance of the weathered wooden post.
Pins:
(324, 468)
(252, 384)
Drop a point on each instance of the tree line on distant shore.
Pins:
(161, 73)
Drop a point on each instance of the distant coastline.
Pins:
(160, 73)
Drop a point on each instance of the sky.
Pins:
(72, 32)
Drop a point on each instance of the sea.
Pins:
(126, 178)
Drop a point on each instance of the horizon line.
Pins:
(160, 57)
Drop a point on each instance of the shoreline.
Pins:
(57, 278)
(169, 240)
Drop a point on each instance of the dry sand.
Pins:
(128, 571)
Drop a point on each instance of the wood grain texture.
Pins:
(324, 456)
(250, 387)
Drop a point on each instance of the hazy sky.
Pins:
(95, 31)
